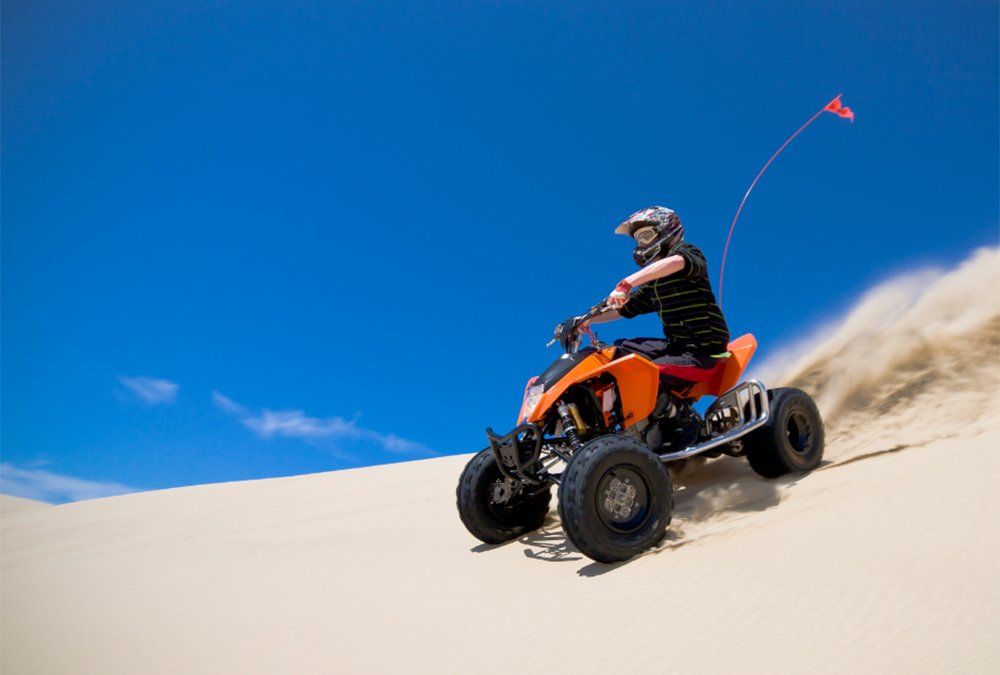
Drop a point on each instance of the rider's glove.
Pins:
(619, 296)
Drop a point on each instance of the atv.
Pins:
(598, 415)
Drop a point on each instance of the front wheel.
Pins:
(792, 440)
(487, 519)
(615, 499)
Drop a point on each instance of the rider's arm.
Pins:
(606, 315)
(657, 270)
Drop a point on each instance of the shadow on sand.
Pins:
(720, 487)
(858, 458)
(704, 492)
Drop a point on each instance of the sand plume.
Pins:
(916, 360)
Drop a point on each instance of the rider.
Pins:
(673, 282)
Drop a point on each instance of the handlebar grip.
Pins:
(599, 308)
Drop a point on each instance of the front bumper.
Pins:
(515, 455)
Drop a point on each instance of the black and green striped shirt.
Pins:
(692, 320)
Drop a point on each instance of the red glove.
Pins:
(619, 296)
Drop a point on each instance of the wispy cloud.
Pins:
(54, 488)
(228, 404)
(151, 390)
(296, 424)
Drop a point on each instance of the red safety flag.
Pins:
(835, 107)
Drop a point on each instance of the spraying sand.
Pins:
(917, 360)
(886, 559)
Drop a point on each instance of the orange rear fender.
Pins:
(729, 373)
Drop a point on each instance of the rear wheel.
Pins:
(792, 440)
(615, 499)
(489, 520)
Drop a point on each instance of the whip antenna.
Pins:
(833, 106)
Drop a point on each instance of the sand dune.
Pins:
(885, 560)
(9, 504)
(889, 564)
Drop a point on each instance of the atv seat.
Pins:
(728, 373)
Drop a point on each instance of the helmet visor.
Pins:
(646, 235)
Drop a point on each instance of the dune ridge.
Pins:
(9, 504)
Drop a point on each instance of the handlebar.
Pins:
(568, 333)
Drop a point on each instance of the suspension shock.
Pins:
(571, 420)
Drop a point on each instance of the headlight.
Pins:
(531, 399)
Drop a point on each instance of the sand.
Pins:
(887, 564)
(884, 560)
(9, 504)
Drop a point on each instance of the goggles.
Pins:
(646, 235)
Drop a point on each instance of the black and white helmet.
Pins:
(655, 230)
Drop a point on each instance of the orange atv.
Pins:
(598, 413)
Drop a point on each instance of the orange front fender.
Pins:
(637, 379)
(582, 371)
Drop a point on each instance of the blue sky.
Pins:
(243, 240)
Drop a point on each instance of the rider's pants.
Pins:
(677, 371)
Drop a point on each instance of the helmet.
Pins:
(655, 230)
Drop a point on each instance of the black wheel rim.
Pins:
(509, 511)
(799, 433)
(623, 499)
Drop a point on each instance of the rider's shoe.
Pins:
(690, 427)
